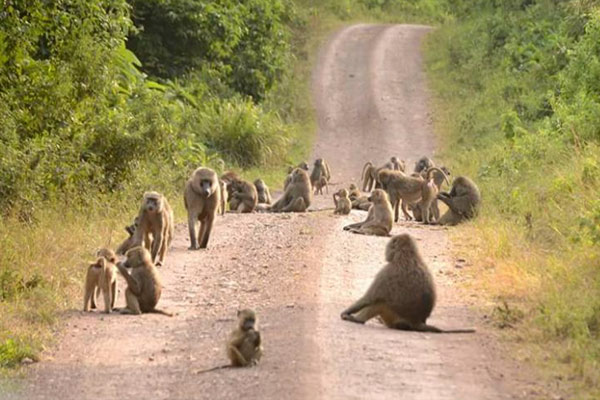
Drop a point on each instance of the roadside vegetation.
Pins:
(517, 92)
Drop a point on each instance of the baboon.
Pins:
(101, 276)
(361, 203)
(424, 164)
(156, 219)
(264, 195)
(244, 197)
(322, 182)
(395, 164)
(463, 201)
(353, 192)
(320, 169)
(302, 165)
(434, 210)
(244, 346)
(143, 283)
(370, 172)
(202, 197)
(408, 189)
(402, 293)
(342, 202)
(228, 177)
(297, 196)
(379, 218)
(224, 196)
(130, 241)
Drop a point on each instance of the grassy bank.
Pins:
(518, 106)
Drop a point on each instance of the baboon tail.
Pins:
(157, 311)
(213, 369)
(432, 169)
(435, 329)
(367, 165)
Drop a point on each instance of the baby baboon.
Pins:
(143, 283)
(379, 218)
(463, 201)
(156, 219)
(130, 241)
(322, 182)
(342, 202)
(201, 198)
(244, 197)
(264, 195)
(424, 164)
(244, 346)
(402, 293)
(224, 196)
(408, 189)
(101, 276)
(297, 196)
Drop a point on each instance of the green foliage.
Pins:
(12, 352)
(518, 85)
(245, 44)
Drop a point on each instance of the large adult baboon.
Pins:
(298, 194)
(202, 198)
(463, 201)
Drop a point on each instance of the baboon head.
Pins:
(378, 196)
(100, 263)
(342, 193)
(108, 254)
(137, 257)
(298, 175)
(260, 184)
(206, 181)
(353, 187)
(318, 162)
(131, 228)
(153, 202)
(446, 170)
(246, 319)
(423, 164)
(400, 248)
(303, 165)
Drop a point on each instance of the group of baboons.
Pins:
(402, 294)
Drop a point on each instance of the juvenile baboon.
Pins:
(224, 196)
(434, 210)
(342, 202)
(379, 218)
(395, 164)
(130, 241)
(353, 192)
(202, 197)
(228, 177)
(101, 276)
(402, 293)
(244, 197)
(370, 172)
(463, 201)
(244, 346)
(320, 184)
(297, 196)
(156, 220)
(408, 189)
(264, 195)
(143, 282)
(320, 170)
(424, 164)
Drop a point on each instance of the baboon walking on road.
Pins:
(202, 198)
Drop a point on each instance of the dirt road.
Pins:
(298, 271)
